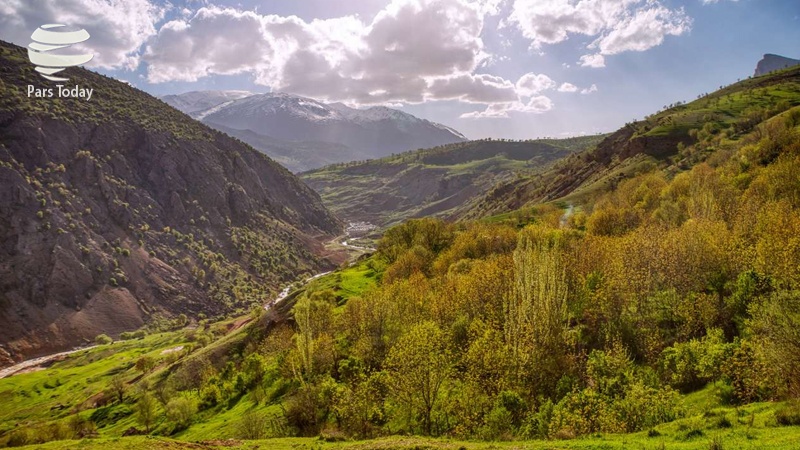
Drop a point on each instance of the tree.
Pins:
(776, 325)
(146, 410)
(418, 365)
(145, 363)
(536, 310)
(118, 387)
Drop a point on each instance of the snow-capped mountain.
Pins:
(353, 134)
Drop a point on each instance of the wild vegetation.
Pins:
(668, 310)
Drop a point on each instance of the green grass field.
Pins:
(349, 282)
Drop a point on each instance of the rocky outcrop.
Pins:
(770, 63)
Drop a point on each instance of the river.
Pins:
(353, 228)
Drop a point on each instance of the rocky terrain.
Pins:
(772, 62)
(122, 212)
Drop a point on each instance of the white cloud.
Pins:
(567, 87)
(536, 105)
(118, 28)
(616, 25)
(531, 84)
(480, 88)
(413, 50)
(643, 30)
(595, 61)
(590, 89)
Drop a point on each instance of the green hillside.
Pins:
(672, 140)
(438, 182)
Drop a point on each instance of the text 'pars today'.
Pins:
(60, 91)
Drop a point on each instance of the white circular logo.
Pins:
(50, 38)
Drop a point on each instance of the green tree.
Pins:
(117, 387)
(145, 363)
(146, 411)
(418, 365)
(776, 325)
(536, 309)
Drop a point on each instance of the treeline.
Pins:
(594, 322)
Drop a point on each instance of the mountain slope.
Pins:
(668, 139)
(121, 211)
(340, 132)
(770, 63)
(441, 181)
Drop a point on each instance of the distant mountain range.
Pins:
(303, 134)
(770, 63)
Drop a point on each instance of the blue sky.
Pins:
(500, 68)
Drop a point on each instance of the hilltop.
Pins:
(770, 63)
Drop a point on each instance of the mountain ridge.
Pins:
(661, 139)
(353, 134)
(771, 62)
(121, 212)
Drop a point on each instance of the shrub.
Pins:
(19, 438)
(181, 412)
(747, 375)
(253, 425)
(691, 365)
(789, 415)
(537, 424)
(103, 339)
(498, 424)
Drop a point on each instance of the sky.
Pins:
(514, 69)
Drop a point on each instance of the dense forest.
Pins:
(570, 325)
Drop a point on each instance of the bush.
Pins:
(789, 415)
(19, 438)
(691, 365)
(181, 412)
(747, 375)
(253, 425)
(103, 339)
(498, 425)
(537, 424)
